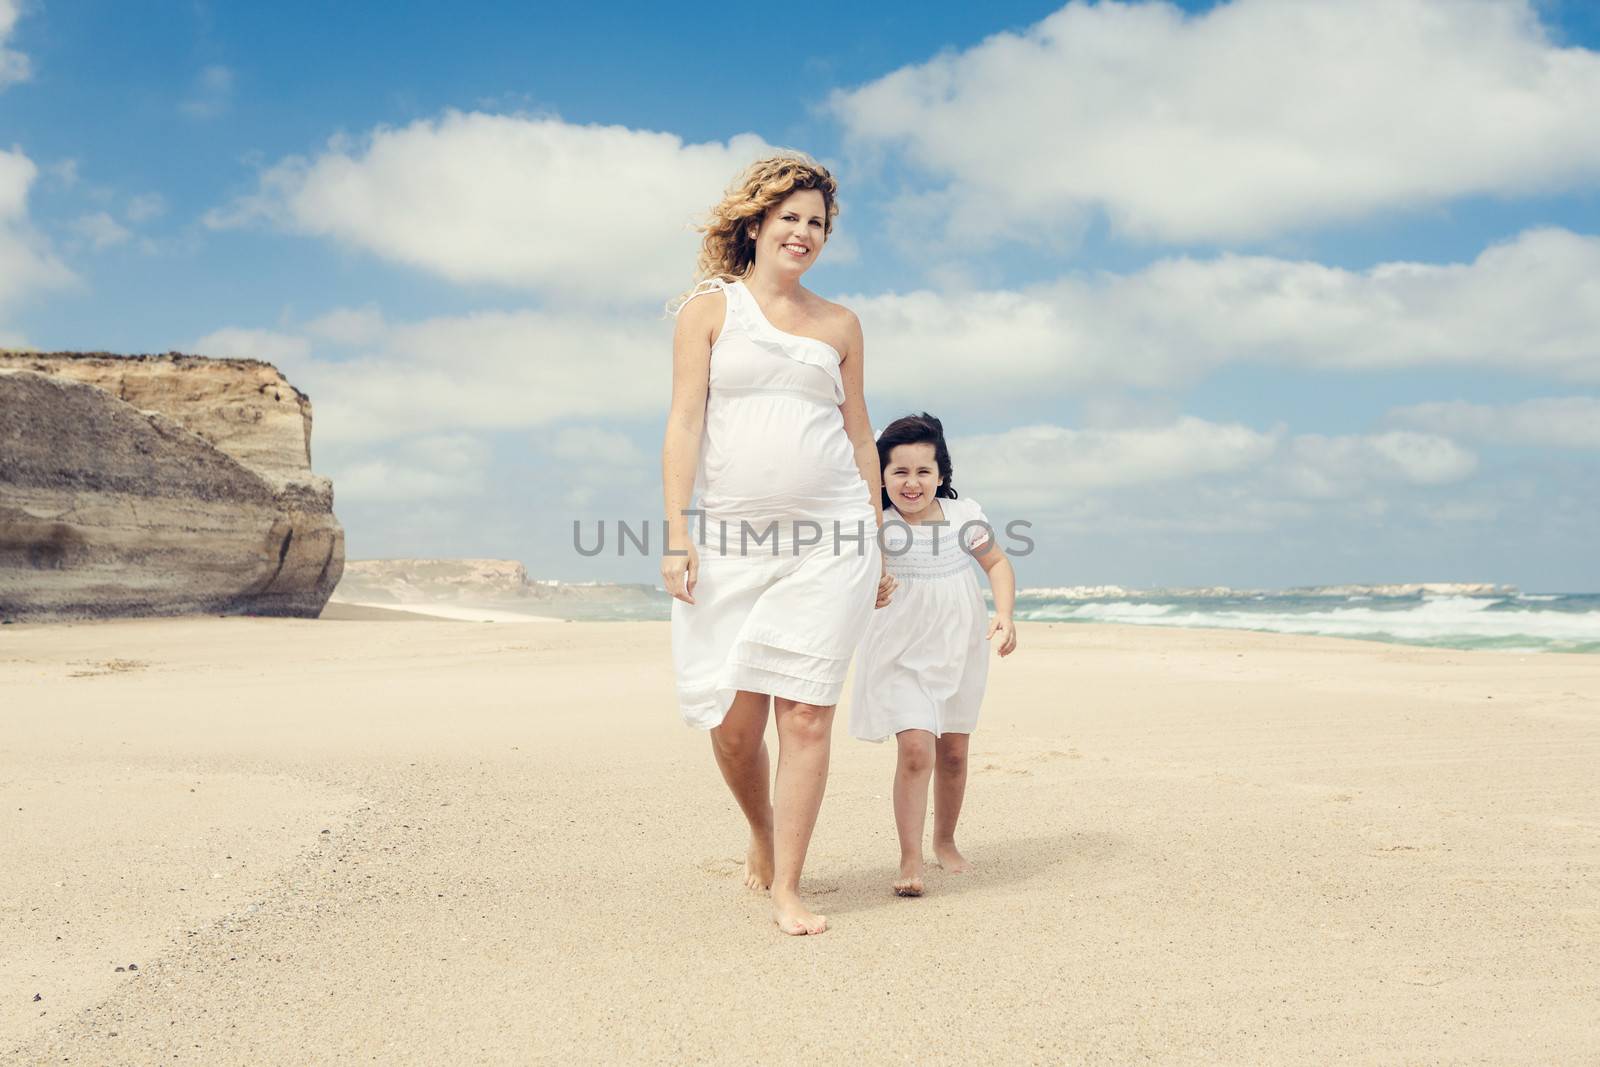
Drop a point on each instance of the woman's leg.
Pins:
(911, 773)
(949, 789)
(741, 749)
(804, 733)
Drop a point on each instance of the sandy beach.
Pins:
(446, 842)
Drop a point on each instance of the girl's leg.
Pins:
(741, 750)
(949, 788)
(911, 772)
(804, 734)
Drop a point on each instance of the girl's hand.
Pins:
(1002, 625)
(680, 572)
(886, 587)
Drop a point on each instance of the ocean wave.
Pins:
(1122, 610)
(1448, 621)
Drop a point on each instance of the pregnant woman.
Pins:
(776, 581)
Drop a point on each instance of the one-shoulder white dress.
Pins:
(786, 532)
(925, 659)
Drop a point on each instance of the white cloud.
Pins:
(1554, 422)
(1323, 467)
(17, 173)
(1041, 464)
(1254, 476)
(601, 212)
(349, 326)
(63, 172)
(1528, 306)
(287, 352)
(1253, 118)
(211, 93)
(100, 230)
(434, 466)
(14, 66)
(27, 263)
(482, 371)
(1471, 511)
(595, 463)
(145, 206)
(597, 446)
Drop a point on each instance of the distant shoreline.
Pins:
(363, 611)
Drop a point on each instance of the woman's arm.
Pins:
(858, 427)
(1003, 582)
(698, 320)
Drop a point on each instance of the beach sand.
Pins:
(341, 841)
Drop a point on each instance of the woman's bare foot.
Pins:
(950, 858)
(793, 917)
(909, 884)
(758, 864)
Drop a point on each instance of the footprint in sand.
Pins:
(995, 768)
(723, 867)
(1429, 979)
(1224, 778)
(109, 666)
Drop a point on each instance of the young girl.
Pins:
(921, 669)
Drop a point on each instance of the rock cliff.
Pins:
(159, 485)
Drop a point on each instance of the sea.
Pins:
(1470, 615)
(1505, 621)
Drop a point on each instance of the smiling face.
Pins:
(911, 477)
(791, 235)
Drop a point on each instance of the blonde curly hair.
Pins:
(727, 250)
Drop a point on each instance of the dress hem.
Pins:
(704, 722)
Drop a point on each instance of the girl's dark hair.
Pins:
(921, 429)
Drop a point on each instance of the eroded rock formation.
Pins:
(159, 485)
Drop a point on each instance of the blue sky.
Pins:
(1255, 294)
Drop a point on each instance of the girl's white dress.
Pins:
(925, 659)
(789, 561)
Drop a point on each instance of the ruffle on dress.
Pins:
(745, 313)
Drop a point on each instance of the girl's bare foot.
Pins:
(909, 884)
(793, 917)
(950, 858)
(758, 864)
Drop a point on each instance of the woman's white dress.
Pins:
(789, 560)
(925, 659)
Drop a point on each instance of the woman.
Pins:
(774, 588)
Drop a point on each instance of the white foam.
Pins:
(1434, 619)
(1122, 611)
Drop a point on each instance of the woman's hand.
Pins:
(680, 571)
(886, 587)
(1002, 625)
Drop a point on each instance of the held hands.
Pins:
(1002, 625)
(886, 588)
(679, 574)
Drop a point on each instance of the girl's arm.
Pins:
(858, 428)
(1003, 581)
(680, 448)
